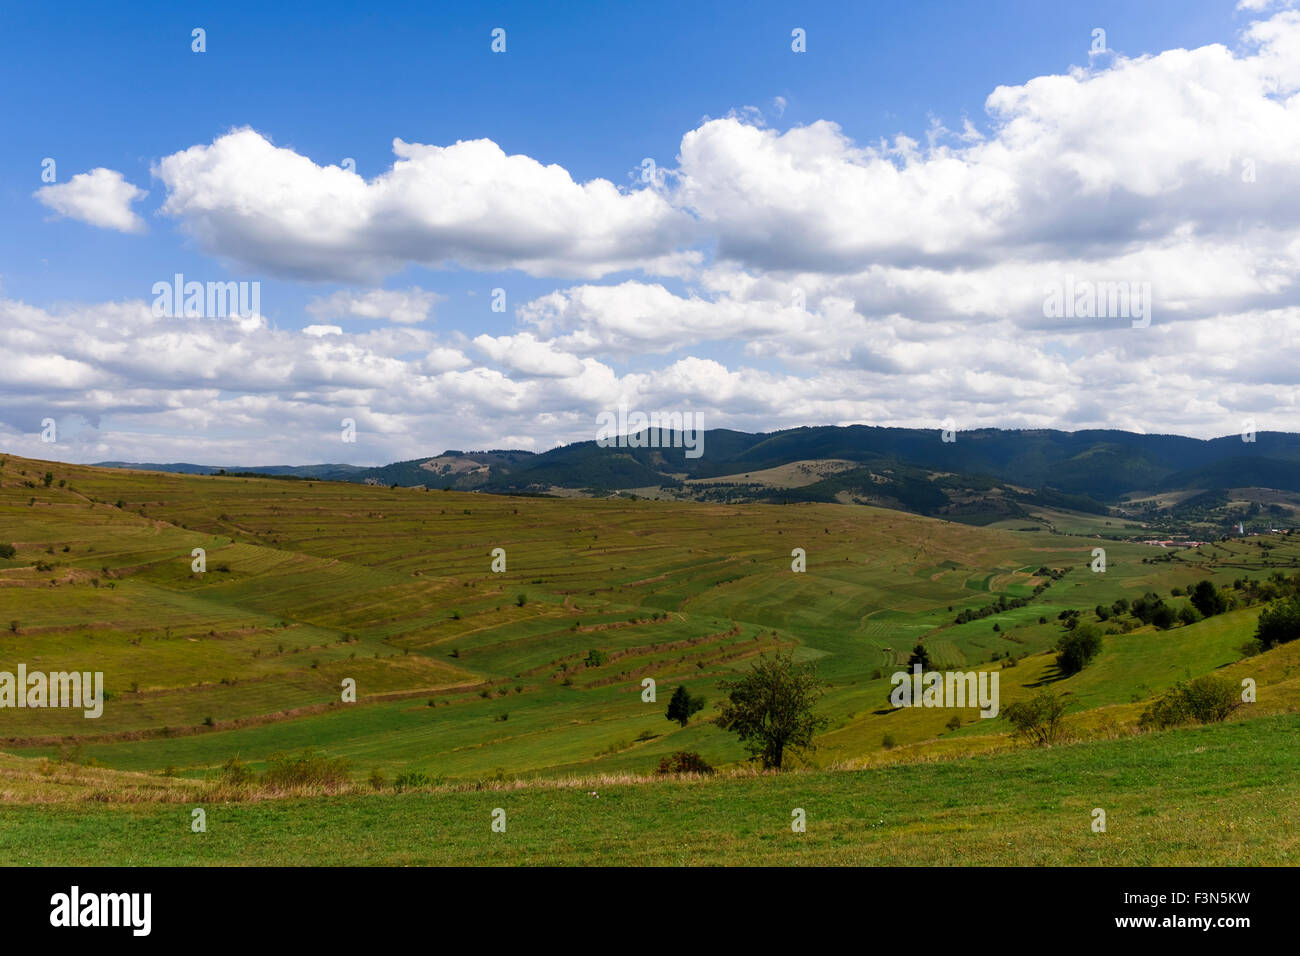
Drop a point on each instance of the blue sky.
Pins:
(595, 87)
(592, 88)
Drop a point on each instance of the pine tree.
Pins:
(683, 705)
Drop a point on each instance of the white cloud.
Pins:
(1092, 160)
(208, 391)
(406, 306)
(820, 280)
(101, 197)
(468, 204)
(636, 317)
(525, 354)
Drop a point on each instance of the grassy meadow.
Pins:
(519, 678)
(1225, 793)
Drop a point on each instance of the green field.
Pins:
(475, 677)
(1171, 798)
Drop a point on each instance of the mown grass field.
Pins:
(473, 676)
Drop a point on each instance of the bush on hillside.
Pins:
(1208, 699)
(1164, 617)
(306, 769)
(1208, 599)
(1077, 648)
(1041, 719)
(684, 761)
(411, 780)
(235, 773)
(1279, 623)
(1145, 607)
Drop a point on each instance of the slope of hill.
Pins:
(466, 675)
(307, 584)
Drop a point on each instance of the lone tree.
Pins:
(919, 656)
(1207, 599)
(1076, 649)
(771, 709)
(683, 705)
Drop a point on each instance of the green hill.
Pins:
(465, 675)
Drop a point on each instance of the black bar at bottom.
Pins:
(333, 906)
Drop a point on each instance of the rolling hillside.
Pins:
(983, 476)
(466, 675)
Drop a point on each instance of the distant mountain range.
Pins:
(912, 469)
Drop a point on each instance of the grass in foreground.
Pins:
(1219, 795)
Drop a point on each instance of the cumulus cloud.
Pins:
(468, 204)
(637, 317)
(406, 306)
(524, 353)
(101, 197)
(207, 390)
(788, 277)
(1093, 160)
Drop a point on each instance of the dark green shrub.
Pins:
(684, 761)
(1209, 600)
(1279, 623)
(411, 780)
(1076, 649)
(1208, 699)
(683, 705)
